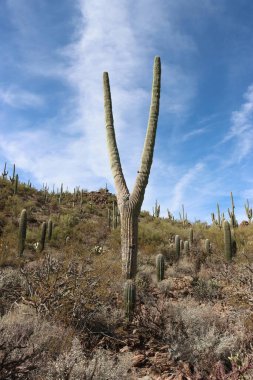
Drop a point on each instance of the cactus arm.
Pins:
(148, 150)
(119, 180)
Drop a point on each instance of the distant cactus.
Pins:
(248, 211)
(43, 236)
(16, 184)
(50, 229)
(12, 178)
(177, 246)
(160, 266)
(5, 172)
(218, 222)
(227, 241)
(186, 247)
(129, 299)
(183, 216)
(156, 210)
(231, 213)
(207, 246)
(22, 232)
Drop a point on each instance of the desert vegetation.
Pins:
(66, 312)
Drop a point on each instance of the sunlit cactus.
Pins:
(22, 232)
(130, 204)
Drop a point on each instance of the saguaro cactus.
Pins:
(207, 246)
(129, 298)
(130, 204)
(191, 236)
(227, 241)
(43, 236)
(50, 229)
(177, 246)
(186, 247)
(160, 267)
(22, 232)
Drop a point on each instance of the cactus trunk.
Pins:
(129, 241)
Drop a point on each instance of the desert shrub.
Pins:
(12, 284)
(207, 290)
(75, 365)
(195, 334)
(26, 341)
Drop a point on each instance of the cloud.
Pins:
(194, 132)
(19, 98)
(183, 184)
(242, 127)
(103, 40)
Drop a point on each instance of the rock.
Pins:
(138, 360)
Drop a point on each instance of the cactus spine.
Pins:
(160, 266)
(130, 204)
(177, 246)
(43, 236)
(207, 246)
(50, 229)
(129, 299)
(186, 247)
(22, 232)
(227, 241)
(191, 236)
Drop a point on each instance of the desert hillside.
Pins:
(63, 312)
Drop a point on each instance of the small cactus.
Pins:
(207, 246)
(50, 229)
(160, 267)
(227, 241)
(181, 245)
(129, 299)
(177, 246)
(43, 236)
(22, 232)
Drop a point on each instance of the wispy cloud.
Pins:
(193, 133)
(242, 127)
(103, 40)
(19, 98)
(182, 185)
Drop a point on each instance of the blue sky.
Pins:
(53, 55)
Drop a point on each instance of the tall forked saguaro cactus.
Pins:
(130, 204)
